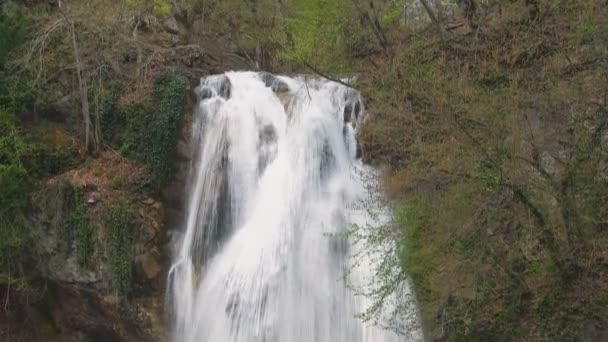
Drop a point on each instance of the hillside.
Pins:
(493, 141)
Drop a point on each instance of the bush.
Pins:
(118, 248)
(13, 30)
(14, 192)
(14, 90)
(51, 150)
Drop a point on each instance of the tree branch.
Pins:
(333, 79)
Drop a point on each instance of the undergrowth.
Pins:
(494, 147)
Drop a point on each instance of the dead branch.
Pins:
(333, 79)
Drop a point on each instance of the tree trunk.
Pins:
(433, 16)
(90, 145)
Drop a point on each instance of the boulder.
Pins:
(274, 82)
(149, 265)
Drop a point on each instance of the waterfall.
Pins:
(275, 183)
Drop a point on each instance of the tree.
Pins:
(82, 43)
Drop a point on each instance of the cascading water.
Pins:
(262, 257)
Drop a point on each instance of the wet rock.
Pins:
(267, 147)
(225, 88)
(280, 87)
(274, 83)
(267, 78)
(328, 161)
(352, 111)
(204, 93)
(359, 152)
(357, 110)
(183, 150)
(268, 134)
(348, 110)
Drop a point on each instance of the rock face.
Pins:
(81, 304)
(274, 83)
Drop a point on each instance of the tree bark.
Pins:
(90, 145)
(433, 16)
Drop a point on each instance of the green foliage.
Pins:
(161, 7)
(410, 218)
(118, 247)
(158, 7)
(14, 191)
(148, 132)
(134, 137)
(169, 97)
(15, 92)
(13, 30)
(51, 150)
(79, 222)
(317, 32)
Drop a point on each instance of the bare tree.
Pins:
(469, 9)
(433, 16)
(90, 136)
(91, 141)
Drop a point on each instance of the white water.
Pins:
(273, 186)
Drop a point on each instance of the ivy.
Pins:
(14, 194)
(168, 94)
(82, 227)
(13, 30)
(148, 132)
(118, 248)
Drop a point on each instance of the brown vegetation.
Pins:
(493, 143)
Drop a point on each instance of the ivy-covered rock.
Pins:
(169, 100)
(148, 130)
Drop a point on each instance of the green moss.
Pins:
(118, 247)
(82, 228)
(15, 186)
(169, 99)
(149, 132)
(13, 30)
(411, 218)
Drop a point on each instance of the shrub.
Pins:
(14, 192)
(51, 150)
(14, 91)
(13, 30)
